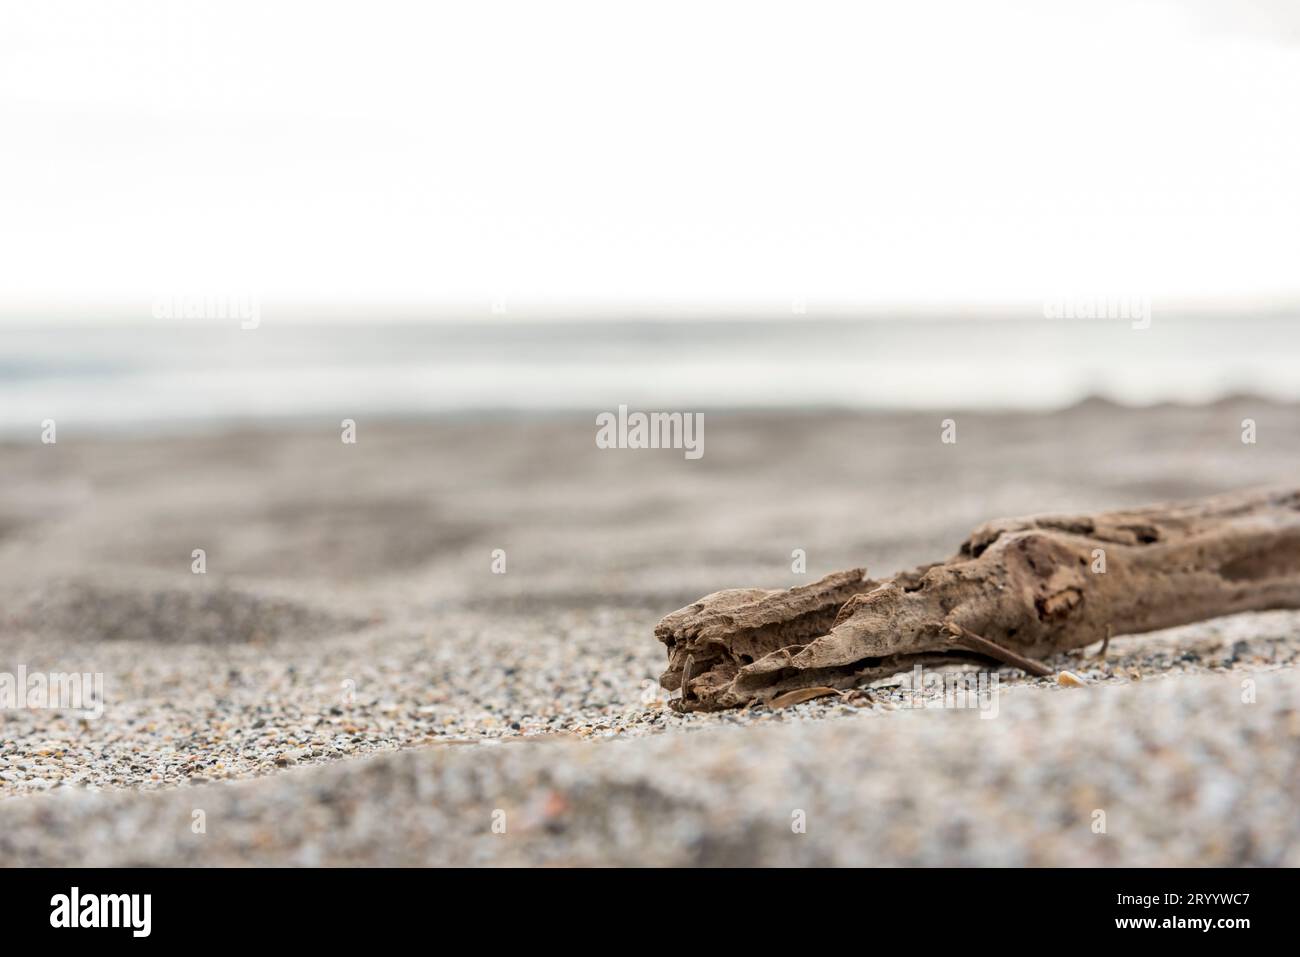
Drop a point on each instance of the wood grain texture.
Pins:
(1033, 586)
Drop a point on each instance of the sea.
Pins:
(165, 375)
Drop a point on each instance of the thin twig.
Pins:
(1105, 643)
(975, 643)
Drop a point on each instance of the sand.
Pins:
(351, 682)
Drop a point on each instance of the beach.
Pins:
(434, 645)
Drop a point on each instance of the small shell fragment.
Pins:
(800, 695)
(1070, 680)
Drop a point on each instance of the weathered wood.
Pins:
(1030, 586)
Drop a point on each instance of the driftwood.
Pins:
(1017, 590)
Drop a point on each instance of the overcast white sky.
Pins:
(666, 155)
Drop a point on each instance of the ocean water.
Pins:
(182, 374)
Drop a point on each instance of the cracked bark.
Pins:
(1026, 585)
